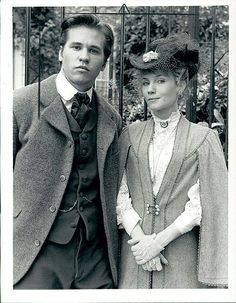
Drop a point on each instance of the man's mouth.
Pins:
(82, 68)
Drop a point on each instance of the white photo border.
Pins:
(8, 295)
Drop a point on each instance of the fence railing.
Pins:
(191, 14)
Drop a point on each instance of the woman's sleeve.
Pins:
(213, 244)
(193, 211)
(127, 217)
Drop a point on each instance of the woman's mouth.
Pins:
(153, 99)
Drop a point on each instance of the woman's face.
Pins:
(160, 91)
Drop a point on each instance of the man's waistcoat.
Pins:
(81, 200)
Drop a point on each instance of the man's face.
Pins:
(83, 56)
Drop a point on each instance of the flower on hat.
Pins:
(150, 56)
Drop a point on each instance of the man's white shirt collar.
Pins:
(66, 90)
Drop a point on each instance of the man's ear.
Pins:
(60, 55)
(104, 66)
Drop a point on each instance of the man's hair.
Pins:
(89, 21)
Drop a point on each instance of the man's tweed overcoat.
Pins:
(43, 155)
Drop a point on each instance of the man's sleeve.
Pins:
(16, 142)
(119, 125)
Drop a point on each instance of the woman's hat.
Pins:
(169, 54)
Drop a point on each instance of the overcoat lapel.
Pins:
(141, 146)
(55, 115)
(52, 109)
(106, 130)
(176, 161)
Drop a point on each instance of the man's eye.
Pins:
(145, 83)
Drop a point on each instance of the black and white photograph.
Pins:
(118, 151)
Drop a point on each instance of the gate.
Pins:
(145, 20)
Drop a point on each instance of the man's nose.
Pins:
(84, 55)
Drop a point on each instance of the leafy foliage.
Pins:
(45, 21)
(159, 27)
(45, 30)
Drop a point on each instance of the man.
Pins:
(65, 164)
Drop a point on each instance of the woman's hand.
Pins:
(146, 248)
(155, 263)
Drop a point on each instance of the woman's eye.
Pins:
(76, 47)
(94, 51)
(160, 81)
(145, 83)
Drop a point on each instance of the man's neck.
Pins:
(67, 90)
(79, 87)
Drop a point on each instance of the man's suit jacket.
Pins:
(43, 155)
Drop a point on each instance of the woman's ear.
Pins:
(181, 86)
(181, 76)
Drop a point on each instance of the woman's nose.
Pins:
(151, 88)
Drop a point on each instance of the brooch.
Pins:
(153, 209)
(164, 124)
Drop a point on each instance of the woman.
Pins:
(173, 195)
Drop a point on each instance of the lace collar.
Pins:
(166, 123)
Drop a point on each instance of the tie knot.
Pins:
(82, 98)
(80, 108)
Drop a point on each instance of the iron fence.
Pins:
(192, 16)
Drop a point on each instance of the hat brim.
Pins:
(159, 64)
(138, 63)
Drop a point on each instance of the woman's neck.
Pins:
(163, 115)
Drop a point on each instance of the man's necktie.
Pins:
(80, 108)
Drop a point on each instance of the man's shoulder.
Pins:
(108, 107)
(25, 98)
(24, 92)
(31, 91)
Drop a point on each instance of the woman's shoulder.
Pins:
(201, 132)
(137, 127)
(131, 133)
(134, 129)
(200, 135)
(199, 129)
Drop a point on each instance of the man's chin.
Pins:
(82, 83)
